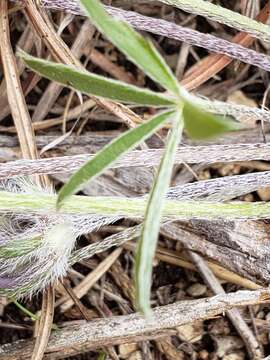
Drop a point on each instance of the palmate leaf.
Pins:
(132, 44)
(110, 153)
(93, 84)
(147, 244)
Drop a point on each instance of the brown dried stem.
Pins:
(133, 328)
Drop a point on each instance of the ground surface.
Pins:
(113, 293)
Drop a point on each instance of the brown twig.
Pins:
(133, 328)
(210, 65)
(61, 52)
(234, 315)
(14, 91)
(25, 132)
(44, 324)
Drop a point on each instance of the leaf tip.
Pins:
(201, 124)
(59, 201)
(20, 53)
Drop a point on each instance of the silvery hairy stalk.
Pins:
(35, 249)
(185, 34)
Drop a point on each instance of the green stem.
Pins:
(223, 15)
(152, 218)
(114, 206)
(32, 316)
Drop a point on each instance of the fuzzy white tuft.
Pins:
(35, 249)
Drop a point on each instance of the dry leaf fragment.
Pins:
(239, 98)
(191, 332)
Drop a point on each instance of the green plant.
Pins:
(179, 109)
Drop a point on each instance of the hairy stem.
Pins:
(177, 32)
(223, 15)
(114, 206)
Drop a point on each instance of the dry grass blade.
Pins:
(61, 52)
(53, 90)
(179, 259)
(133, 328)
(25, 42)
(25, 132)
(202, 71)
(212, 64)
(84, 286)
(44, 324)
(235, 316)
(148, 158)
(41, 23)
(14, 91)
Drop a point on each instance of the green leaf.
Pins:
(110, 153)
(21, 247)
(200, 124)
(147, 244)
(132, 44)
(93, 84)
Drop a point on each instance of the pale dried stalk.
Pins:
(133, 328)
(221, 189)
(14, 91)
(44, 324)
(180, 259)
(25, 132)
(150, 157)
(86, 284)
(53, 90)
(170, 30)
(61, 52)
(234, 314)
(25, 43)
(223, 16)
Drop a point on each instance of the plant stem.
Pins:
(114, 206)
(32, 316)
(223, 15)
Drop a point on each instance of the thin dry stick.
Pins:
(199, 73)
(53, 90)
(61, 52)
(133, 328)
(233, 314)
(179, 259)
(177, 32)
(25, 132)
(44, 324)
(84, 286)
(223, 16)
(150, 157)
(14, 91)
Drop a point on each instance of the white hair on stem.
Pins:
(35, 249)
